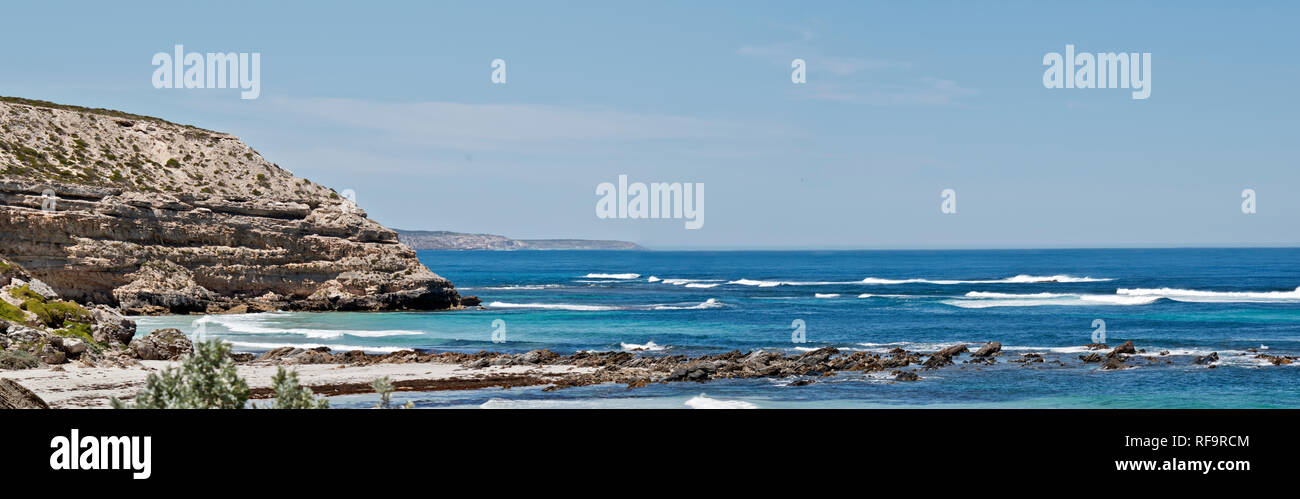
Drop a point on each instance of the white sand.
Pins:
(76, 386)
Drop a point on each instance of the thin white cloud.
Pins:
(838, 83)
(921, 91)
(474, 126)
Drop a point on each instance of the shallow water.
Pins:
(1185, 301)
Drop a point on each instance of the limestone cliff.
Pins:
(155, 217)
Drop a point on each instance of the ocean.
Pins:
(1186, 302)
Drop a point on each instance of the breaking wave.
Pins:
(704, 402)
(575, 307)
(1199, 296)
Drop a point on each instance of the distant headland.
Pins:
(444, 240)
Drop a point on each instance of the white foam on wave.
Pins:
(914, 346)
(826, 295)
(649, 346)
(1201, 296)
(703, 285)
(1036, 300)
(706, 304)
(553, 306)
(611, 276)
(653, 279)
(252, 324)
(750, 282)
(335, 347)
(985, 294)
(772, 284)
(1018, 279)
(576, 307)
(518, 287)
(704, 402)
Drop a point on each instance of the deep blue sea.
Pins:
(1186, 302)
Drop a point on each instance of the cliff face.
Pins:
(157, 217)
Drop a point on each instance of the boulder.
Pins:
(111, 327)
(944, 357)
(1208, 359)
(161, 344)
(1127, 347)
(989, 349)
(51, 354)
(15, 396)
(907, 376)
(74, 346)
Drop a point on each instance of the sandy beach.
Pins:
(91, 387)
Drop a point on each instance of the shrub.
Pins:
(17, 359)
(82, 332)
(384, 387)
(25, 292)
(12, 313)
(57, 313)
(205, 380)
(290, 395)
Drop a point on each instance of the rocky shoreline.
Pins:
(331, 373)
(639, 370)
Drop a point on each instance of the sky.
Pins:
(395, 101)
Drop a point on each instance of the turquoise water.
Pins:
(1188, 302)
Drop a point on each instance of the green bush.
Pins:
(290, 395)
(12, 313)
(57, 313)
(82, 332)
(17, 359)
(25, 292)
(384, 387)
(205, 380)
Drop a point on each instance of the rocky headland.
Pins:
(154, 217)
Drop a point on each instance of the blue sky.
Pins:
(903, 100)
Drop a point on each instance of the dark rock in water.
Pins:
(944, 357)
(1114, 363)
(989, 349)
(1127, 347)
(817, 356)
(803, 382)
(1092, 357)
(1279, 360)
(906, 376)
(1028, 358)
(1096, 346)
(1208, 359)
(470, 301)
(15, 396)
(161, 344)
